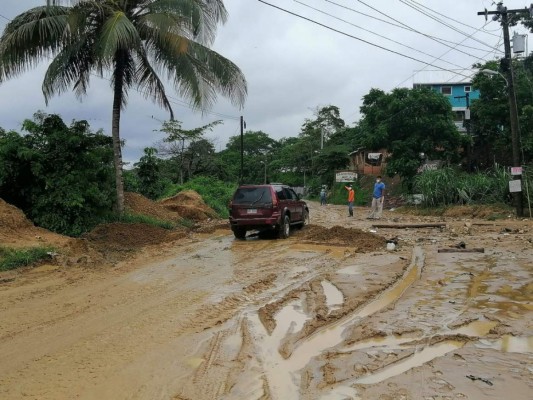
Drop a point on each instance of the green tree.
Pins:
(490, 123)
(409, 123)
(133, 39)
(148, 171)
(178, 141)
(60, 176)
(258, 149)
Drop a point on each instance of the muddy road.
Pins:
(329, 313)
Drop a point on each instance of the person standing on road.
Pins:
(378, 197)
(351, 198)
(323, 195)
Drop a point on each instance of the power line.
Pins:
(405, 27)
(352, 36)
(374, 33)
(414, 30)
(444, 55)
(450, 18)
(480, 59)
(416, 8)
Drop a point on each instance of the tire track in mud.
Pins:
(281, 372)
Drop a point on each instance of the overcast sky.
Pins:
(292, 65)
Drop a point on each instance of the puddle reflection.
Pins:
(351, 270)
(420, 358)
(508, 344)
(334, 297)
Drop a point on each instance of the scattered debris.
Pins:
(461, 250)
(477, 378)
(403, 226)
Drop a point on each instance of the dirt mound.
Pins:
(338, 235)
(12, 218)
(18, 231)
(189, 204)
(129, 237)
(139, 204)
(478, 211)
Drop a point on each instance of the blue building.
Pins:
(460, 96)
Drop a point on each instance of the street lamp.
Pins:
(515, 135)
(492, 72)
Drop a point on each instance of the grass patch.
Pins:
(187, 223)
(15, 258)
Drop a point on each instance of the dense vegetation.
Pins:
(62, 176)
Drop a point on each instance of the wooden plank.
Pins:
(452, 250)
(403, 226)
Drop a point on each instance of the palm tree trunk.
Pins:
(115, 132)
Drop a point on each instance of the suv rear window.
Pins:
(252, 195)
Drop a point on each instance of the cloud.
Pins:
(292, 66)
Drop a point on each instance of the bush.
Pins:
(61, 176)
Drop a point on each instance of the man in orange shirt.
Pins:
(351, 198)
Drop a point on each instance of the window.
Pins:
(288, 194)
(252, 195)
(446, 90)
(468, 89)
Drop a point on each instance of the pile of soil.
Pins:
(361, 241)
(138, 204)
(12, 218)
(129, 237)
(189, 204)
(18, 231)
(476, 211)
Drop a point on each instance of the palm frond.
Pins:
(117, 33)
(150, 85)
(33, 35)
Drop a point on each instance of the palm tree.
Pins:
(136, 41)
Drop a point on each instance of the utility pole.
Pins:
(243, 125)
(502, 13)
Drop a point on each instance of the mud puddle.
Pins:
(282, 374)
(508, 344)
(334, 297)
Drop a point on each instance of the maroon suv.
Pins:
(273, 207)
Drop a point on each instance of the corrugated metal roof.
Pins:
(439, 77)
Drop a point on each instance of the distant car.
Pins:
(273, 207)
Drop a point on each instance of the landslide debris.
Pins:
(358, 239)
(189, 204)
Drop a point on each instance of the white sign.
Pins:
(516, 170)
(345, 176)
(515, 186)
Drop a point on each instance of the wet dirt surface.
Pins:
(329, 313)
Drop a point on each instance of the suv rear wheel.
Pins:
(239, 233)
(284, 228)
(305, 219)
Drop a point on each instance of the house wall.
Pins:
(458, 90)
(360, 163)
